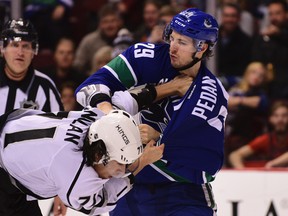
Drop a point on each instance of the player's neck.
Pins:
(192, 71)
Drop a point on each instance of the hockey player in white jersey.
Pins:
(85, 157)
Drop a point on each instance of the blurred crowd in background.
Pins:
(77, 37)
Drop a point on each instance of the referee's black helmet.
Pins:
(19, 30)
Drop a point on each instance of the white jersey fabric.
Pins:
(42, 151)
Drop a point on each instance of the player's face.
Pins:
(181, 49)
(279, 119)
(112, 169)
(18, 56)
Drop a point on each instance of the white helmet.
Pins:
(119, 132)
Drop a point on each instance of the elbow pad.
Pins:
(91, 95)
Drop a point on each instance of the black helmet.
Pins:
(19, 30)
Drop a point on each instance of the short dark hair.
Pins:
(90, 151)
(276, 104)
(108, 9)
(233, 5)
(157, 3)
(281, 2)
(65, 38)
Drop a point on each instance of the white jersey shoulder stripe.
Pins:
(112, 71)
(225, 93)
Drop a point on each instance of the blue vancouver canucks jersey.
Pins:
(193, 126)
(140, 64)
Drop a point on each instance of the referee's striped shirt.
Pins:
(36, 91)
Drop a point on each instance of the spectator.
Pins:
(50, 18)
(246, 19)
(281, 161)
(109, 24)
(68, 99)
(271, 46)
(123, 40)
(63, 70)
(247, 106)
(167, 12)
(180, 5)
(21, 86)
(5, 11)
(130, 10)
(269, 145)
(234, 46)
(151, 12)
(101, 58)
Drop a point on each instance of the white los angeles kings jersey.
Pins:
(41, 151)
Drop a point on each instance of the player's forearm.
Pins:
(178, 86)
(150, 155)
(136, 167)
(165, 90)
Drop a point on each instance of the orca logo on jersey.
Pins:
(122, 134)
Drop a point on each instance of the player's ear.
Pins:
(204, 47)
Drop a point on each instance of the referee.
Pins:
(21, 86)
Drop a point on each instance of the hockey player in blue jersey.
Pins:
(192, 125)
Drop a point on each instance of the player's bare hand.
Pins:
(59, 208)
(182, 84)
(152, 153)
(148, 133)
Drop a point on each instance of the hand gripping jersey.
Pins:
(41, 151)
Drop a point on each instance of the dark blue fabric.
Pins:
(173, 199)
